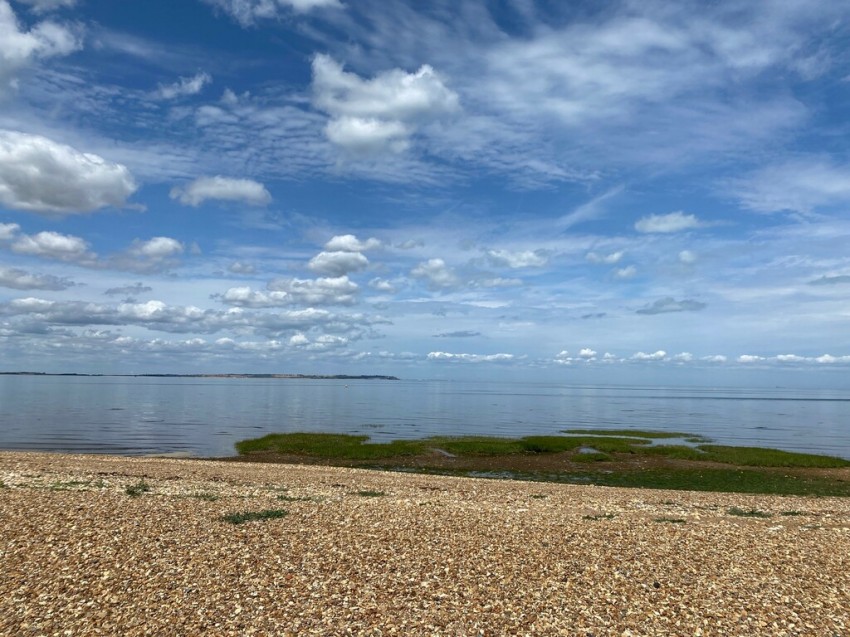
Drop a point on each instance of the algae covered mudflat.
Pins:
(628, 458)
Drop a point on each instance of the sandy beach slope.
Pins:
(431, 556)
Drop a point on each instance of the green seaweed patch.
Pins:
(760, 457)
(677, 452)
(335, 446)
(592, 456)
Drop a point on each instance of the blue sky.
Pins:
(629, 191)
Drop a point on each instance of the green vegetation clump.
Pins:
(137, 489)
(747, 513)
(371, 494)
(670, 520)
(294, 498)
(249, 516)
(601, 516)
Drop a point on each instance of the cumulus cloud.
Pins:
(19, 48)
(8, 230)
(660, 355)
(750, 358)
(673, 222)
(382, 285)
(237, 267)
(378, 114)
(669, 304)
(184, 86)
(607, 259)
(716, 358)
(338, 263)
(156, 248)
(159, 316)
(22, 280)
(350, 243)
(436, 273)
(220, 188)
(518, 259)
(248, 12)
(470, 358)
(687, 257)
(587, 353)
(53, 245)
(323, 291)
(39, 175)
(625, 273)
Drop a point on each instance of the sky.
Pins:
(515, 189)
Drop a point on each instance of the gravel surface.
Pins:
(369, 553)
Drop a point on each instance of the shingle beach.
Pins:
(370, 553)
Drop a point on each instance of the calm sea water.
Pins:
(206, 416)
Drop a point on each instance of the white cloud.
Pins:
(369, 116)
(673, 222)
(321, 291)
(688, 257)
(518, 259)
(470, 358)
(221, 188)
(828, 359)
(247, 12)
(42, 176)
(799, 185)
(184, 87)
(660, 355)
(53, 245)
(22, 280)
(157, 248)
(350, 243)
(684, 357)
(382, 285)
(360, 135)
(19, 48)
(717, 358)
(8, 230)
(436, 273)
(338, 263)
(626, 273)
(608, 259)
(237, 267)
(749, 358)
(587, 353)
(46, 6)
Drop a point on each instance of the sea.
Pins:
(206, 416)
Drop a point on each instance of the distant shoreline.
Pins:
(282, 376)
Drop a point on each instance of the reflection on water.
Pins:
(206, 416)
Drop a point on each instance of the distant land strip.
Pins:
(302, 376)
